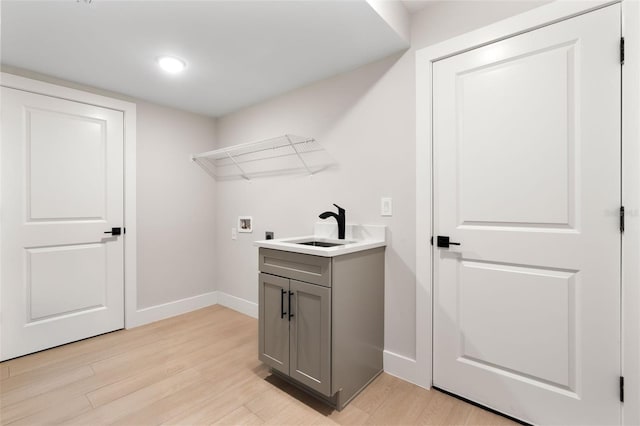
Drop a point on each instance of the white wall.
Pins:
(175, 202)
(366, 120)
(176, 206)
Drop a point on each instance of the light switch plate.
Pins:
(234, 234)
(386, 206)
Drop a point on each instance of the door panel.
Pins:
(59, 186)
(273, 322)
(498, 302)
(62, 188)
(525, 135)
(527, 178)
(310, 344)
(62, 280)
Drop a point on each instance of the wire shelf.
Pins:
(275, 156)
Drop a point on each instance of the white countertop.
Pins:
(357, 238)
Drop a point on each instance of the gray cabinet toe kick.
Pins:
(321, 320)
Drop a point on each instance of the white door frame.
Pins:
(422, 372)
(129, 111)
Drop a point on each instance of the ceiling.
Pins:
(237, 52)
(415, 5)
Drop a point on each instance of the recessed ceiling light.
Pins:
(171, 65)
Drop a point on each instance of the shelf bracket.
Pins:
(298, 154)
(242, 173)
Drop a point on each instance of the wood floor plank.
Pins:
(269, 404)
(64, 357)
(240, 416)
(109, 344)
(298, 414)
(404, 405)
(158, 369)
(351, 415)
(4, 371)
(223, 402)
(43, 377)
(224, 365)
(58, 414)
(158, 351)
(16, 405)
(439, 409)
(167, 407)
(460, 415)
(375, 394)
(299, 396)
(200, 368)
(18, 390)
(111, 412)
(131, 384)
(28, 406)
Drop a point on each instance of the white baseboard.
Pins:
(171, 309)
(237, 304)
(405, 368)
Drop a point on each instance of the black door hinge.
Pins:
(621, 50)
(621, 389)
(621, 218)
(432, 240)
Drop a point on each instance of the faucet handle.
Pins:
(339, 208)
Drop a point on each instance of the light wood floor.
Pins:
(198, 368)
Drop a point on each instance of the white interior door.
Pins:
(62, 188)
(527, 179)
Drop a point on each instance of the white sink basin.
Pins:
(321, 244)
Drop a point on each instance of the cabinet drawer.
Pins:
(301, 267)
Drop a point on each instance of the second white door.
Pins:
(527, 180)
(62, 189)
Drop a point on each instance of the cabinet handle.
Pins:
(282, 312)
(290, 314)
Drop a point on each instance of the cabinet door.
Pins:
(310, 329)
(273, 320)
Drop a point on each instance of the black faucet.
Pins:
(339, 217)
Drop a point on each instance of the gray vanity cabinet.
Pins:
(310, 336)
(321, 320)
(274, 341)
(295, 326)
